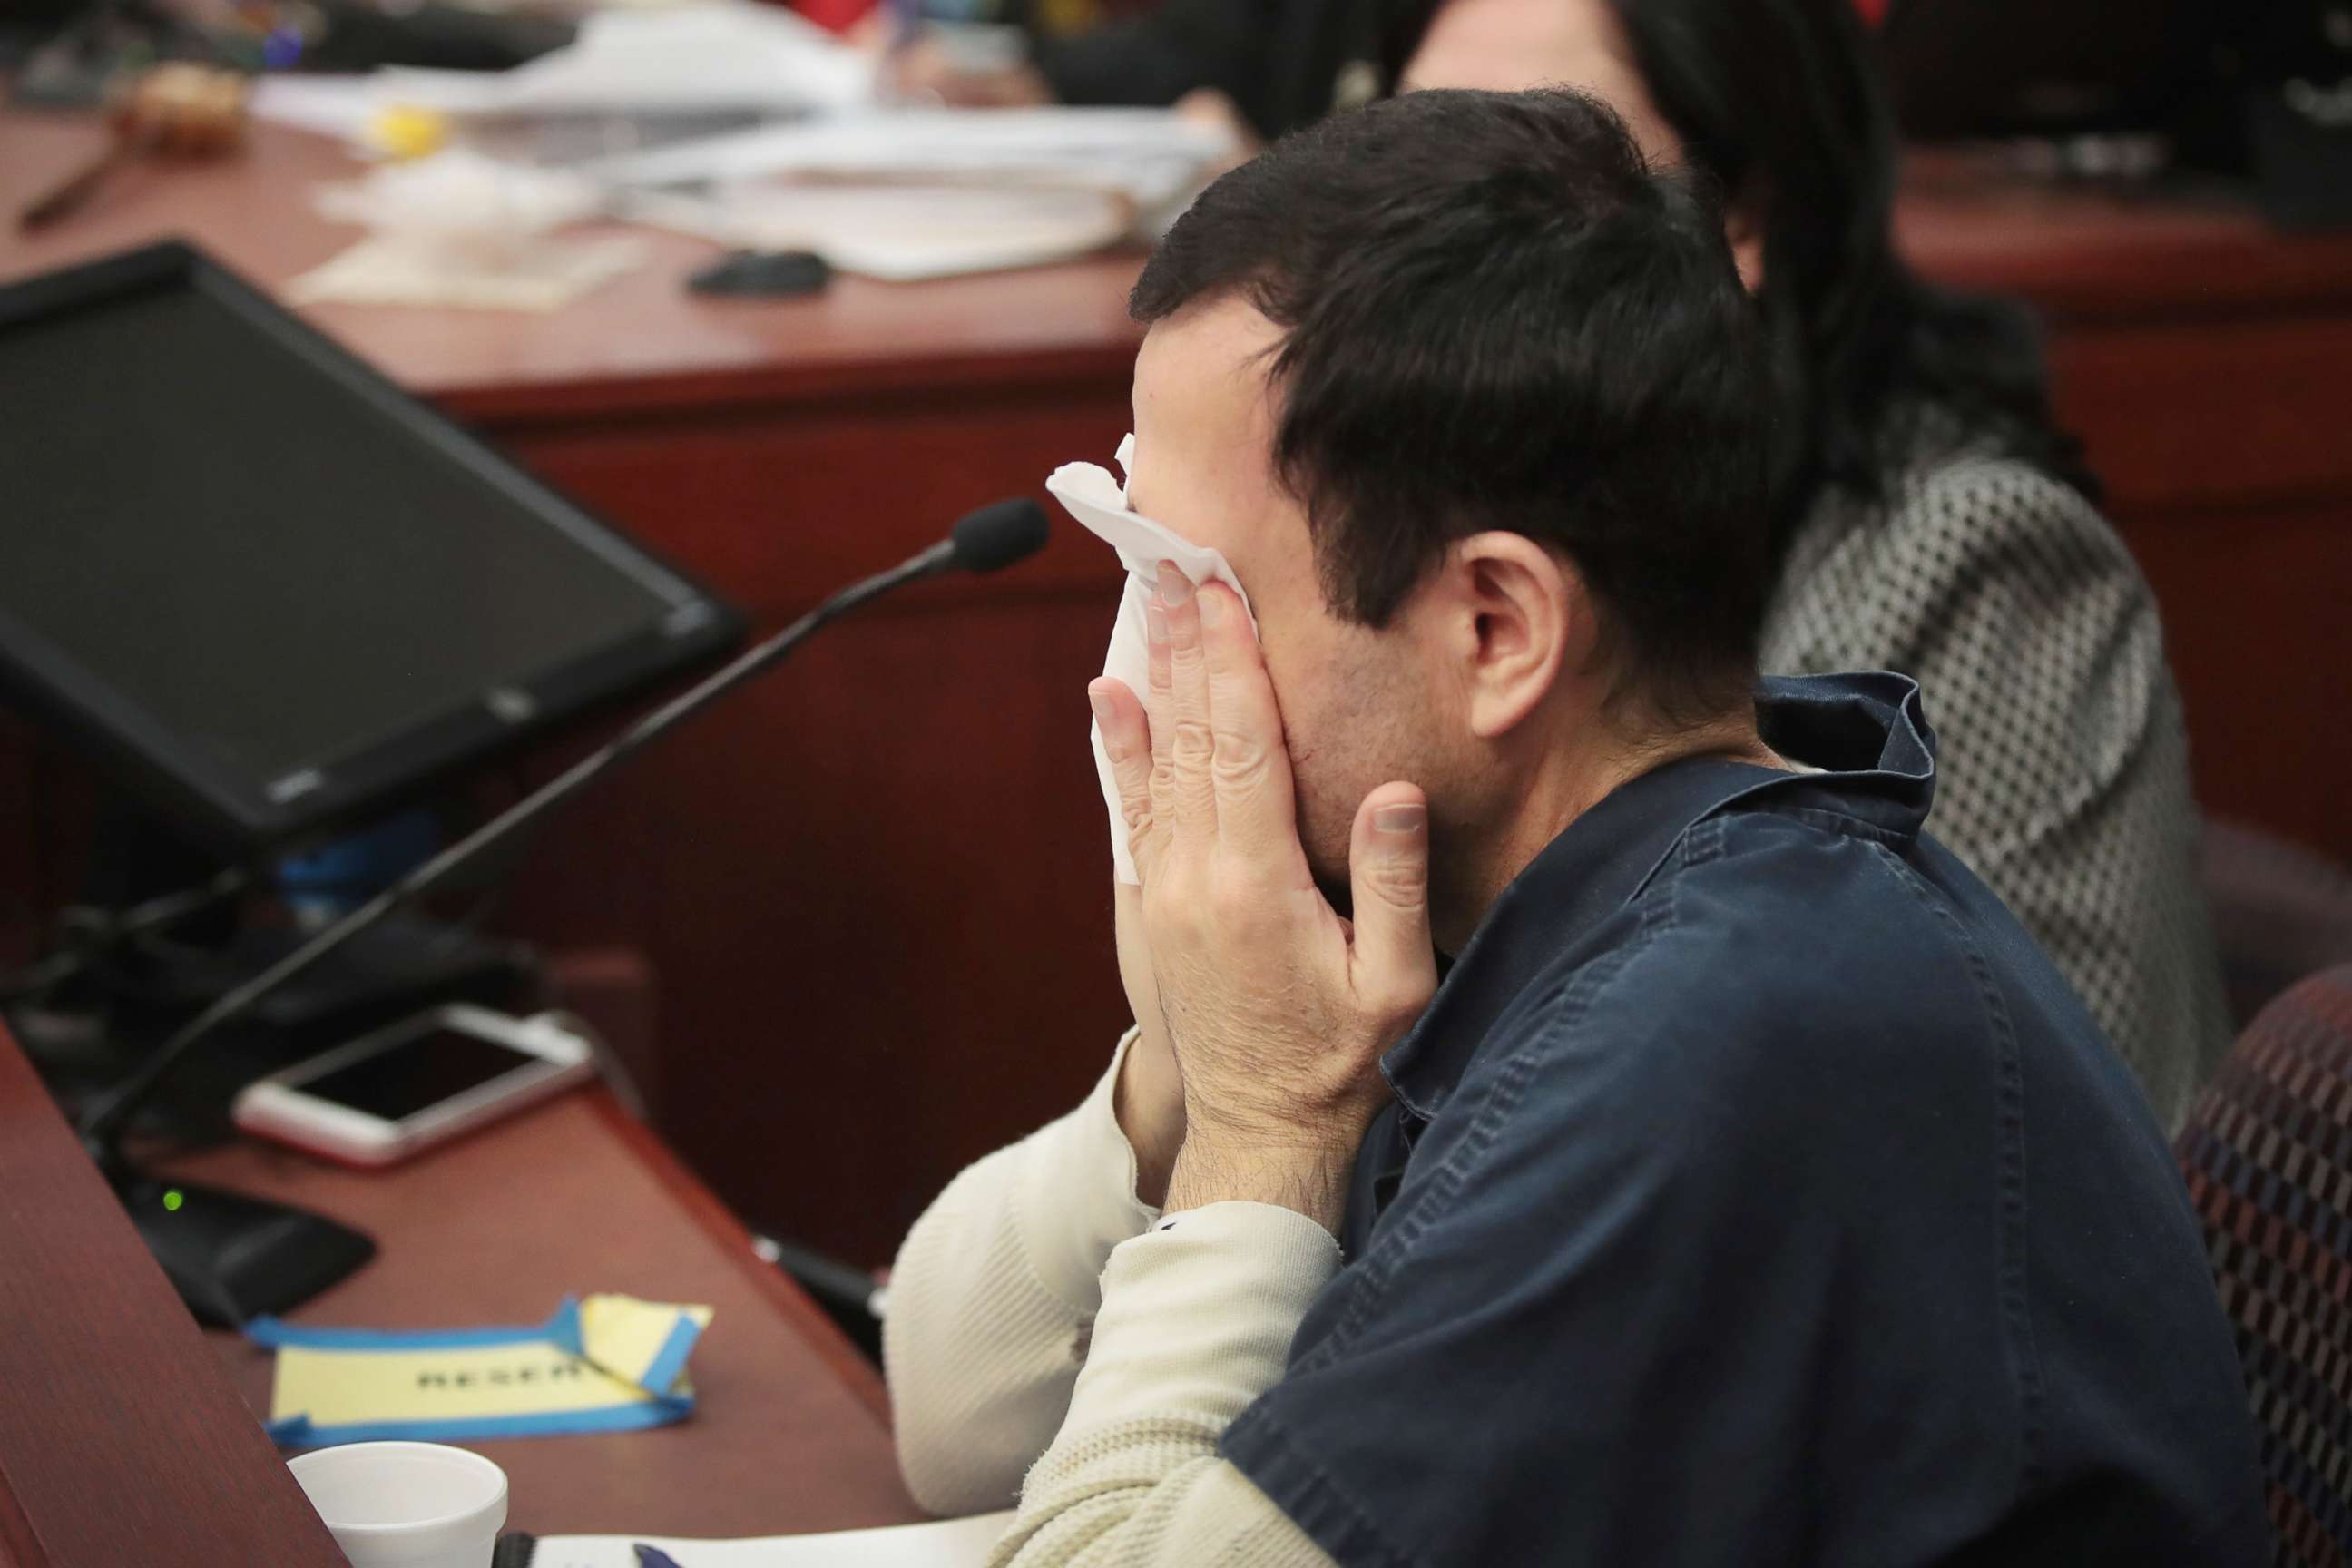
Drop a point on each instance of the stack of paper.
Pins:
(1150, 156)
(689, 60)
(901, 233)
(703, 61)
(897, 193)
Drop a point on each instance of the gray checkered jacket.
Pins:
(2062, 777)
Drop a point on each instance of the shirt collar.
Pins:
(1869, 735)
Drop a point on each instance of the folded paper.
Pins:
(607, 1364)
(1099, 502)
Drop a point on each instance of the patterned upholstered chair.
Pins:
(2281, 910)
(2267, 1151)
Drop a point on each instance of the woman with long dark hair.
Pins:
(1929, 516)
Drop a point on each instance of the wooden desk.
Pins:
(790, 1425)
(640, 346)
(121, 1441)
(875, 888)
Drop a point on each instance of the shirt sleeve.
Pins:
(991, 1299)
(1196, 1322)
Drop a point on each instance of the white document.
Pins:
(1089, 494)
(949, 1544)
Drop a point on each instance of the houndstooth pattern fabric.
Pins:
(2063, 764)
(2268, 1156)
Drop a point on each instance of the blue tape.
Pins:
(298, 1432)
(561, 1332)
(272, 1332)
(564, 1329)
(670, 1360)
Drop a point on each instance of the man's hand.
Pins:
(1276, 1008)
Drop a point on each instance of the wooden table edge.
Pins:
(204, 1448)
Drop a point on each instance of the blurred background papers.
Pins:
(901, 233)
(692, 60)
(1153, 157)
(697, 60)
(734, 123)
(459, 228)
(904, 195)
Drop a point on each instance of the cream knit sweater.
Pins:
(1041, 1320)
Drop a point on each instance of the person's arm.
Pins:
(996, 1286)
(991, 1297)
(1277, 1011)
(1197, 1318)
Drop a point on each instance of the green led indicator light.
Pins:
(173, 1200)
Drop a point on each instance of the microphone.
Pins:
(996, 536)
(987, 539)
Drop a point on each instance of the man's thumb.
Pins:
(1387, 868)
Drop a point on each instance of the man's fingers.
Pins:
(1159, 703)
(1257, 808)
(1191, 745)
(1393, 961)
(1126, 737)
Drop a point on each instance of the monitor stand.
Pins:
(231, 1257)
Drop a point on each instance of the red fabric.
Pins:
(838, 15)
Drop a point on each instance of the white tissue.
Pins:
(459, 201)
(1100, 501)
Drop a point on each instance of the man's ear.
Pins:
(1521, 618)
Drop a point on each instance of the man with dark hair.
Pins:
(1505, 322)
(1751, 1190)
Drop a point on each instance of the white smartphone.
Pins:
(422, 1081)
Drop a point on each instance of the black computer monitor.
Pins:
(271, 589)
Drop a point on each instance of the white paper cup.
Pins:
(407, 1505)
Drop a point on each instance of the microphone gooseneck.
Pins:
(987, 540)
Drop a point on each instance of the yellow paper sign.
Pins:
(608, 1364)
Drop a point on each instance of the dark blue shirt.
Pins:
(1756, 1193)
